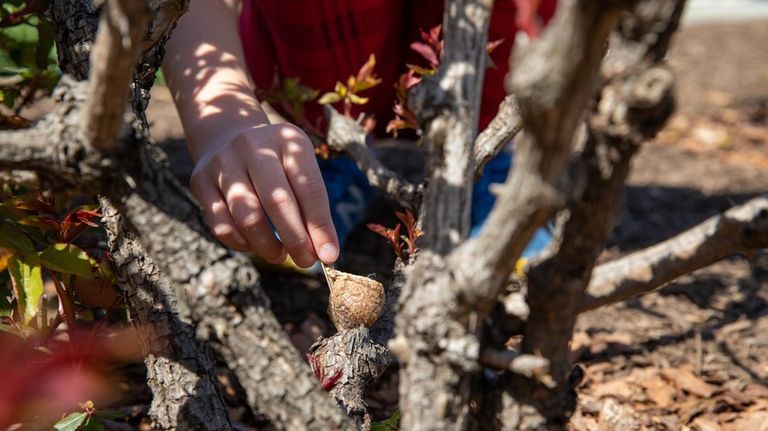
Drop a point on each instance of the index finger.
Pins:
(307, 183)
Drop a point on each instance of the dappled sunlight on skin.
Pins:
(41, 386)
(248, 172)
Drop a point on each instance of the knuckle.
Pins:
(313, 187)
(223, 231)
(228, 235)
(323, 225)
(251, 221)
(280, 198)
(270, 250)
(243, 142)
(238, 193)
(219, 162)
(297, 245)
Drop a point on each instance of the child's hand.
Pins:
(267, 169)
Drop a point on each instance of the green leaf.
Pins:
(390, 424)
(68, 259)
(6, 62)
(70, 422)
(329, 98)
(93, 424)
(46, 34)
(12, 239)
(9, 97)
(27, 280)
(21, 34)
(6, 301)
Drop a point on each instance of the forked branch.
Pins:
(551, 105)
(347, 135)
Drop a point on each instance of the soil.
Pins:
(693, 356)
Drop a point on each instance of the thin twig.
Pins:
(347, 135)
(501, 130)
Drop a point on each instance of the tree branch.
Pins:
(634, 104)
(741, 229)
(352, 357)
(553, 80)
(220, 290)
(501, 130)
(447, 106)
(437, 350)
(530, 366)
(113, 59)
(225, 300)
(348, 136)
(54, 146)
(166, 334)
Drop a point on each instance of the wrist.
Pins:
(209, 137)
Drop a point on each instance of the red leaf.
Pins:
(76, 220)
(409, 80)
(407, 218)
(427, 52)
(379, 229)
(45, 222)
(413, 232)
(433, 37)
(369, 123)
(367, 69)
(392, 235)
(525, 19)
(493, 45)
(395, 241)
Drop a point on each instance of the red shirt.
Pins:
(324, 41)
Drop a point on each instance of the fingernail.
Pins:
(328, 253)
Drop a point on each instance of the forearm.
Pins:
(205, 71)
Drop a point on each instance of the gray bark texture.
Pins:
(193, 302)
(187, 294)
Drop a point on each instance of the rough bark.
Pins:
(220, 289)
(634, 104)
(226, 301)
(180, 370)
(350, 360)
(551, 106)
(437, 349)
(446, 105)
(54, 148)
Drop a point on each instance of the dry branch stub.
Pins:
(354, 300)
